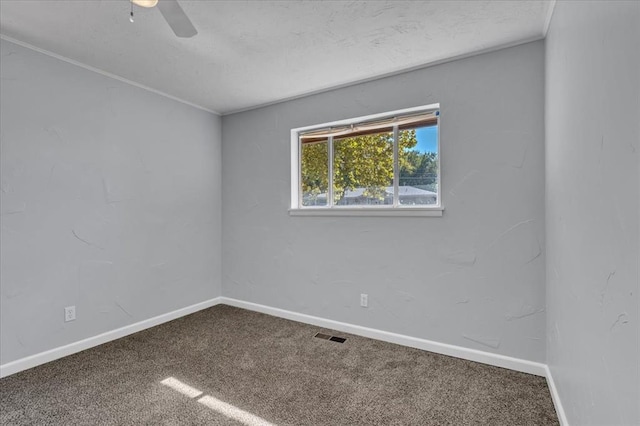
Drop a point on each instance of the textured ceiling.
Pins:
(249, 53)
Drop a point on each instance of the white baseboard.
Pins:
(555, 396)
(503, 361)
(72, 348)
(497, 360)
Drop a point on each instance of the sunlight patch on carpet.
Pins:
(233, 412)
(215, 404)
(183, 388)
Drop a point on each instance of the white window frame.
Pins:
(297, 209)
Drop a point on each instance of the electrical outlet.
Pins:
(364, 300)
(69, 313)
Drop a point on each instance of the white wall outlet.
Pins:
(364, 300)
(69, 313)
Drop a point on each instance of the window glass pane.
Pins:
(363, 170)
(418, 161)
(315, 173)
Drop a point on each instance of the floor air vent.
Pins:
(332, 338)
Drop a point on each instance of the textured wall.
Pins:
(592, 144)
(474, 277)
(110, 202)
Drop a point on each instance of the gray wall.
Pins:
(110, 202)
(474, 277)
(592, 145)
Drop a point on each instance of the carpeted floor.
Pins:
(229, 366)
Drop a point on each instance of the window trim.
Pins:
(396, 209)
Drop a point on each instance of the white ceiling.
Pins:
(250, 53)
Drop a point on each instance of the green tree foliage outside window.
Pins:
(366, 162)
(315, 170)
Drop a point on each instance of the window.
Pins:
(381, 164)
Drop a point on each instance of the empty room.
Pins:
(319, 212)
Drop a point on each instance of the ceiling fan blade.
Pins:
(176, 18)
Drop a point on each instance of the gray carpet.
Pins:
(275, 371)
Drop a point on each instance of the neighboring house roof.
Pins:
(403, 191)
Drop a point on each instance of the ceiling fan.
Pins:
(172, 13)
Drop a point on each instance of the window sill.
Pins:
(369, 211)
